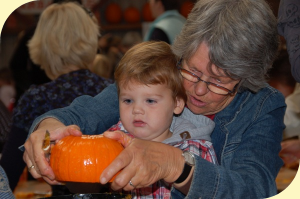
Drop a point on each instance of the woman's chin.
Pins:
(195, 109)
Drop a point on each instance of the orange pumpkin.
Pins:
(132, 15)
(113, 13)
(147, 14)
(186, 8)
(83, 159)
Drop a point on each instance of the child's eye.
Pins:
(127, 101)
(151, 101)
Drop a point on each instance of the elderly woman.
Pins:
(64, 45)
(225, 50)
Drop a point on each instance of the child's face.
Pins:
(147, 111)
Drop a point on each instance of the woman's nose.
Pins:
(201, 88)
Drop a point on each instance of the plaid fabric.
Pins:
(161, 189)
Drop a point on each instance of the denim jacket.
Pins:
(246, 139)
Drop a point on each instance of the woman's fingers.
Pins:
(122, 181)
(51, 182)
(143, 163)
(34, 156)
(36, 173)
(30, 156)
(31, 167)
(129, 170)
(64, 131)
(118, 164)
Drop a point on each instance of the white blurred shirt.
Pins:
(292, 115)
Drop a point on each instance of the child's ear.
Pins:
(179, 106)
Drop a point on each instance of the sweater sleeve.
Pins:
(94, 115)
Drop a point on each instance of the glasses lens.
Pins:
(217, 90)
(187, 75)
(212, 87)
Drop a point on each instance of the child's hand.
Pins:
(120, 136)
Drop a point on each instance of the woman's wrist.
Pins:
(48, 123)
(185, 173)
(189, 163)
(184, 186)
(176, 165)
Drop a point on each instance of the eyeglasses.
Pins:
(215, 88)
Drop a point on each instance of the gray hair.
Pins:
(65, 36)
(241, 36)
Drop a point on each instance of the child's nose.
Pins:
(138, 109)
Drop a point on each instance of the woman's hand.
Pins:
(34, 155)
(143, 163)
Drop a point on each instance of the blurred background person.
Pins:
(6, 81)
(280, 76)
(7, 88)
(130, 39)
(168, 21)
(24, 71)
(282, 79)
(112, 48)
(290, 153)
(64, 45)
(5, 124)
(292, 114)
(102, 66)
(116, 52)
(289, 27)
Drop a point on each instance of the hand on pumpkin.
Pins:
(143, 163)
(120, 136)
(34, 155)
